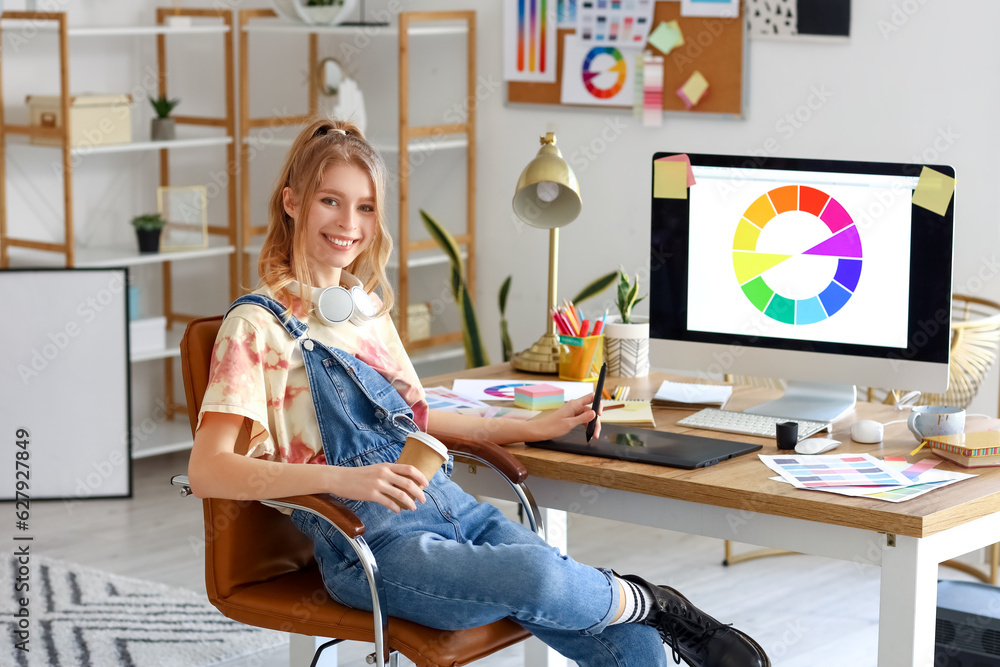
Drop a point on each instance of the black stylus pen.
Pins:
(597, 400)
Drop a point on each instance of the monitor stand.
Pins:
(810, 400)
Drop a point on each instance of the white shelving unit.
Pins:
(150, 435)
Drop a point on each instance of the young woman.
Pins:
(311, 368)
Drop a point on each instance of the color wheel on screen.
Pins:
(594, 67)
(754, 262)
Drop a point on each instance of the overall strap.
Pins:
(292, 324)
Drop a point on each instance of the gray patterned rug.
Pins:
(80, 617)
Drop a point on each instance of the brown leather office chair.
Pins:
(259, 569)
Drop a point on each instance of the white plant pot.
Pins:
(296, 10)
(626, 347)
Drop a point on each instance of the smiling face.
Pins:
(340, 221)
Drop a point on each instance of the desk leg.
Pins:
(537, 654)
(907, 605)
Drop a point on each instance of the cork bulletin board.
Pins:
(712, 46)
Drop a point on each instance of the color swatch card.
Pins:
(624, 22)
(503, 390)
(529, 40)
(808, 472)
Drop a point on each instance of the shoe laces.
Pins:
(675, 624)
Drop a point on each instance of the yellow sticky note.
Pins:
(934, 191)
(693, 89)
(669, 179)
(666, 37)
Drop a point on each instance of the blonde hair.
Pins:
(321, 145)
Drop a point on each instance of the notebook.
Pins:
(627, 443)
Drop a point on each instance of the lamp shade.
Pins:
(547, 194)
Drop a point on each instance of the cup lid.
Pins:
(431, 442)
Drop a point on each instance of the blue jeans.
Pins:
(452, 563)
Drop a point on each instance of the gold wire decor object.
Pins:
(186, 211)
(975, 340)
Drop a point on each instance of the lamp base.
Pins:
(542, 357)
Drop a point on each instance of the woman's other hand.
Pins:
(392, 485)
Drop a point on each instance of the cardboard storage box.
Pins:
(94, 120)
(419, 320)
(147, 334)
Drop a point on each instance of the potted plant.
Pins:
(626, 337)
(163, 127)
(147, 230)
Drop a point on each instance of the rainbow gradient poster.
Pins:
(529, 40)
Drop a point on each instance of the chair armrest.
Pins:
(322, 504)
(490, 453)
(326, 506)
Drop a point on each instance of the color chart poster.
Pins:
(529, 40)
(597, 74)
(800, 255)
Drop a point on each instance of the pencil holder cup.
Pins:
(580, 359)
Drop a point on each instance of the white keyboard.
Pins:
(747, 424)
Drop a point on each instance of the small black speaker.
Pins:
(968, 625)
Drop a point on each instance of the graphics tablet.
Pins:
(677, 450)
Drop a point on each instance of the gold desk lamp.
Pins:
(547, 196)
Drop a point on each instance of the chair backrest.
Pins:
(245, 542)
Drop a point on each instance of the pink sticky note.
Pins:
(686, 160)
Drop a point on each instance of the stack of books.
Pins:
(692, 396)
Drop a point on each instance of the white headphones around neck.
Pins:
(338, 304)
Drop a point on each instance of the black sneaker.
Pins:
(694, 636)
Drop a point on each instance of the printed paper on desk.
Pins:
(440, 398)
(689, 393)
(808, 472)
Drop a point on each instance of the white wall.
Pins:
(913, 83)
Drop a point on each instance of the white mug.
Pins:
(930, 420)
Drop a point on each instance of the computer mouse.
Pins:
(866, 431)
(816, 445)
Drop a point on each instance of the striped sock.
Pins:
(639, 602)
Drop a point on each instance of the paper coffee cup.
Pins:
(424, 452)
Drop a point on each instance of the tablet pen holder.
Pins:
(580, 359)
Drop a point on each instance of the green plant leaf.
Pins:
(444, 239)
(595, 288)
(505, 342)
(504, 291)
(475, 353)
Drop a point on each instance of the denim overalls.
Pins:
(452, 563)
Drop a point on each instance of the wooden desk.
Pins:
(735, 500)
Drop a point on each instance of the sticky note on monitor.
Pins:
(669, 179)
(686, 160)
(693, 89)
(934, 191)
(666, 37)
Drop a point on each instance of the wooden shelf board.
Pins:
(169, 436)
(111, 256)
(282, 26)
(172, 349)
(132, 147)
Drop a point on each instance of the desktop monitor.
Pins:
(820, 272)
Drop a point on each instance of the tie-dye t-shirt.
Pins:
(258, 372)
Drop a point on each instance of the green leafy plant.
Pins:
(508, 347)
(148, 221)
(596, 287)
(628, 295)
(475, 352)
(163, 106)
